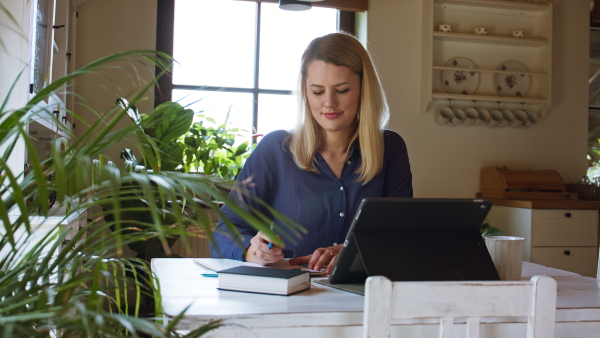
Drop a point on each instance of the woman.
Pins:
(338, 154)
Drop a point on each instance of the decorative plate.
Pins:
(461, 81)
(512, 84)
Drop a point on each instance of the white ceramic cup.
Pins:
(518, 34)
(507, 254)
(495, 118)
(520, 118)
(481, 30)
(459, 117)
(444, 116)
(531, 119)
(483, 116)
(507, 118)
(445, 28)
(471, 116)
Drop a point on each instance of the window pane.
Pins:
(283, 37)
(594, 70)
(276, 112)
(214, 42)
(235, 109)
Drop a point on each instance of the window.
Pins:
(42, 36)
(238, 61)
(593, 173)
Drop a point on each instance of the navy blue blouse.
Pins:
(320, 202)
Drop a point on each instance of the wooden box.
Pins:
(521, 184)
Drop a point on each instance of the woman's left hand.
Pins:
(319, 258)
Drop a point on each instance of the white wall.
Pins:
(446, 161)
(105, 27)
(14, 56)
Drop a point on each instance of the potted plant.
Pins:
(179, 143)
(211, 149)
(165, 135)
(88, 288)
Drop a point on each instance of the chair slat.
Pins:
(447, 328)
(473, 324)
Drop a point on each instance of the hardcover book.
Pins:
(261, 280)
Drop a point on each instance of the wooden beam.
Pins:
(344, 5)
(164, 43)
(595, 15)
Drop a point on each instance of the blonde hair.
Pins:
(342, 49)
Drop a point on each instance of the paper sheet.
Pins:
(218, 264)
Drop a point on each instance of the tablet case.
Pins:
(416, 239)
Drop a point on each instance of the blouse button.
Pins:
(341, 214)
(349, 162)
(341, 188)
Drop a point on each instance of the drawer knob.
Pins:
(568, 252)
(568, 215)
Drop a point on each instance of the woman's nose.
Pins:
(330, 100)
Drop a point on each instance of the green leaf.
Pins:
(131, 111)
(174, 121)
(172, 156)
(241, 149)
(490, 231)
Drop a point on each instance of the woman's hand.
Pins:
(319, 258)
(259, 252)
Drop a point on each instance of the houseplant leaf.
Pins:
(175, 121)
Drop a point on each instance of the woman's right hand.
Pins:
(259, 252)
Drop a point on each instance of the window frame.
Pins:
(164, 43)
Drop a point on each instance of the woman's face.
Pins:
(333, 94)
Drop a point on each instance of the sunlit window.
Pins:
(234, 75)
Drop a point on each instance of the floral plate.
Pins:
(462, 81)
(512, 84)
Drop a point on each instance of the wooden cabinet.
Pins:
(52, 119)
(564, 238)
(488, 53)
(71, 227)
(50, 28)
(64, 228)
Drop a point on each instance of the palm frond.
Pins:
(53, 280)
(79, 282)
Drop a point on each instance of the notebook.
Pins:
(414, 239)
(260, 280)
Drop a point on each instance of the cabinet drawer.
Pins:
(581, 260)
(564, 228)
(72, 229)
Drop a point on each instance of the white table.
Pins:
(322, 311)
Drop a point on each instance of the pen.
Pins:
(209, 275)
(271, 243)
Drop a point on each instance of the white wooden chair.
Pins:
(386, 300)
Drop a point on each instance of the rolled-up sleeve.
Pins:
(255, 179)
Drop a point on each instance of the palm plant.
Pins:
(89, 288)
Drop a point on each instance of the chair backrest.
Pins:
(386, 301)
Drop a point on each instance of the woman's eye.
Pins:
(343, 91)
(317, 93)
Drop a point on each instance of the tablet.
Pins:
(416, 239)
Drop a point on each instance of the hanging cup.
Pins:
(445, 115)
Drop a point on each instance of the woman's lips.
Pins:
(331, 116)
